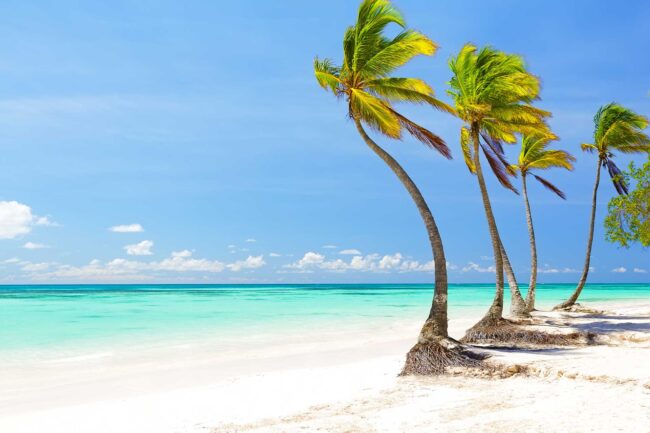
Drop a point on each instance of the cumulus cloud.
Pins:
(619, 270)
(140, 249)
(275, 255)
(251, 240)
(350, 252)
(177, 262)
(549, 270)
(370, 263)
(127, 228)
(251, 262)
(12, 260)
(17, 219)
(639, 270)
(330, 247)
(35, 267)
(475, 267)
(34, 246)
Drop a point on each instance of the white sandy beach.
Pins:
(340, 382)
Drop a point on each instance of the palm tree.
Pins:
(364, 80)
(616, 128)
(493, 94)
(535, 155)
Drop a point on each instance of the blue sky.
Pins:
(202, 123)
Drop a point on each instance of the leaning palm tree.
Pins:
(616, 128)
(364, 80)
(493, 94)
(535, 155)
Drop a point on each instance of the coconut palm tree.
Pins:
(493, 94)
(364, 80)
(535, 155)
(620, 129)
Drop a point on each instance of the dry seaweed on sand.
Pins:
(507, 333)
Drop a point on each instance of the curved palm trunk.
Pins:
(517, 303)
(435, 327)
(585, 271)
(495, 313)
(530, 296)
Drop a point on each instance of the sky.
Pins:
(185, 142)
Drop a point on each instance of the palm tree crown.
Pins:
(493, 93)
(535, 155)
(617, 128)
(364, 79)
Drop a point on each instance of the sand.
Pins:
(342, 381)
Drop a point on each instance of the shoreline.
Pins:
(197, 390)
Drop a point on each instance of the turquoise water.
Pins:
(40, 317)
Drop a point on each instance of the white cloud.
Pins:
(330, 247)
(350, 252)
(34, 246)
(12, 260)
(549, 270)
(640, 271)
(127, 228)
(35, 267)
(182, 261)
(251, 262)
(44, 221)
(619, 270)
(474, 267)
(369, 263)
(251, 240)
(177, 262)
(232, 247)
(140, 249)
(17, 219)
(275, 255)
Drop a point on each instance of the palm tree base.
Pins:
(576, 308)
(506, 333)
(437, 357)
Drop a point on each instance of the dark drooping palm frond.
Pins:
(499, 166)
(550, 186)
(617, 176)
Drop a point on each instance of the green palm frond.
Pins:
(408, 90)
(535, 154)
(467, 149)
(396, 53)
(375, 113)
(619, 128)
(369, 58)
(590, 148)
(327, 74)
(372, 19)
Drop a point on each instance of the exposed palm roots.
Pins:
(438, 357)
(502, 332)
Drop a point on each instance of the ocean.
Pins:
(42, 320)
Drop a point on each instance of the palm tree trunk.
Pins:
(517, 303)
(495, 312)
(435, 327)
(585, 271)
(530, 296)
